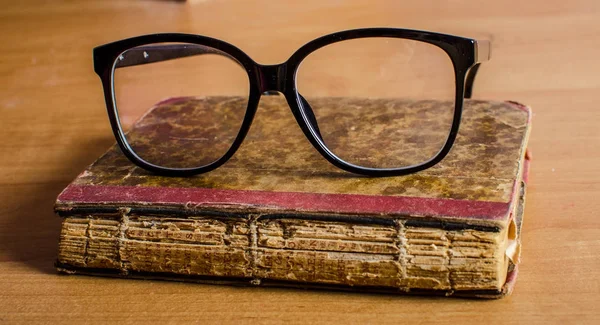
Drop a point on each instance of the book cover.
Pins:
(279, 214)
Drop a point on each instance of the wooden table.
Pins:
(53, 123)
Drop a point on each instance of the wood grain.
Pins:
(53, 124)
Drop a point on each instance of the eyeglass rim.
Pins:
(464, 53)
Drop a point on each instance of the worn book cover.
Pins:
(279, 214)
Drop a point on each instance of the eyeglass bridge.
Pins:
(272, 78)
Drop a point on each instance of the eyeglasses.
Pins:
(375, 101)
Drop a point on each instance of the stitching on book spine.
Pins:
(123, 225)
(88, 237)
(448, 254)
(253, 249)
(402, 244)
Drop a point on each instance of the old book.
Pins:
(279, 214)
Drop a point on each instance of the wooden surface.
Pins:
(53, 123)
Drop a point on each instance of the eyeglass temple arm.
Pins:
(158, 53)
(483, 51)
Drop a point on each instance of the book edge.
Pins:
(244, 282)
(72, 197)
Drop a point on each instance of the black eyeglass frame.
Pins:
(466, 55)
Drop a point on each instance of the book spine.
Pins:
(299, 251)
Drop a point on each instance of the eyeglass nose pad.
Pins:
(310, 115)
